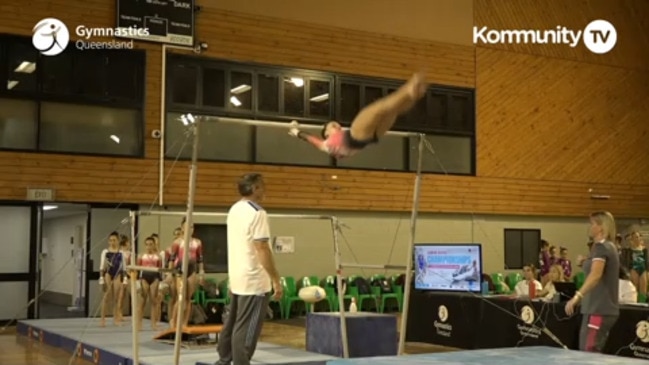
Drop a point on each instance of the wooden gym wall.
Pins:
(525, 102)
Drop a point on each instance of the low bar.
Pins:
(378, 267)
(149, 269)
(224, 215)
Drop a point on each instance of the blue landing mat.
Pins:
(508, 356)
(111, 345)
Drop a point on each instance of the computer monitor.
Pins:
(448, 267)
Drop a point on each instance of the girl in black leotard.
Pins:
(111, 276)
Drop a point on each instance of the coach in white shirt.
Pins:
(251, 271)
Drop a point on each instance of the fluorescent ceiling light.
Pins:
(50, 207)
(11, 84)
(115, 138)
(320, 98)
(297, 81)
(26, 67)
(241, 89)
(187, 119)
(235, 101)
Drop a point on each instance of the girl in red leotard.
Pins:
(195, 267)
(149, 282)
(371, 123)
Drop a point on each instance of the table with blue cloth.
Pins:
(472, 321)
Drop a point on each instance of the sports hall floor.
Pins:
(17, 350)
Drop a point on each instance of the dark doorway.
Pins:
(215, 246)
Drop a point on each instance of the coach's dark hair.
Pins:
(246, 184)
(323, 132)
(114, 234)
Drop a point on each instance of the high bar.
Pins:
(268, 123)
(379, 267)
(264, 123)
(224, 215)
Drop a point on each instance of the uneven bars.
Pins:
(379, 267)
(273, 124)
(134, 307)
(411, 245)
(182, 291)
(224, 215)
(335, 226)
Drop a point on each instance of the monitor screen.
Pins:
(448, 267)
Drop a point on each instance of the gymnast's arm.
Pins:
(102, 264)
(261, 236)
(313, 140)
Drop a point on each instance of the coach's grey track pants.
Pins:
(241, 329)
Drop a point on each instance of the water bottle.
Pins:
(532, 289)
(352, 306)
(485, 288)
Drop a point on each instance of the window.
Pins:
(21, 68)
(124, 81)
(389, 154)
(451, 154)
(215, 246)
(267, 93)
(241, 90)
(18, 124)
(184, 79)
(461, 112)
(350, 102)
(319, 99)
(273, 146)
(90, 129)
(88, 77)
(294, 96)
(522, 247)
(56, 74)
(372, 94)
(213, 87)
(217, 141)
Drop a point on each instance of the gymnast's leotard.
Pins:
(639, 261)
(112, 263)
(195, 255)
(150, 260)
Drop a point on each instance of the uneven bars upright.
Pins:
(335, 226)
(413, 229)
(134, 307)
(182, 291)
(272, 124)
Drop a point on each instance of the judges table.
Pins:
(470, 321)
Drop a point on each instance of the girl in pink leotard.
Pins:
(371, 123)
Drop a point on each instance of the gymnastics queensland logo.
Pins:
(50, 36)
(599, 36)
(642, 333)
(441, 327)
(527, 329)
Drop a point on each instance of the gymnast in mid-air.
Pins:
(371, 123)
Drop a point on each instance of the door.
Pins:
(102, 222)
(61, 262)
(18, 225)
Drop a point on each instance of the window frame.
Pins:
(38, 96)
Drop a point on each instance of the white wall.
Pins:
(15, 224)
(370, 237)
(58, 273)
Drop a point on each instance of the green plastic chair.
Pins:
(579, 279)
(513, 279)
(224, 296)
(290, 294)
(362, 298)
(384, 297)
(498, 281)
(329, 285)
